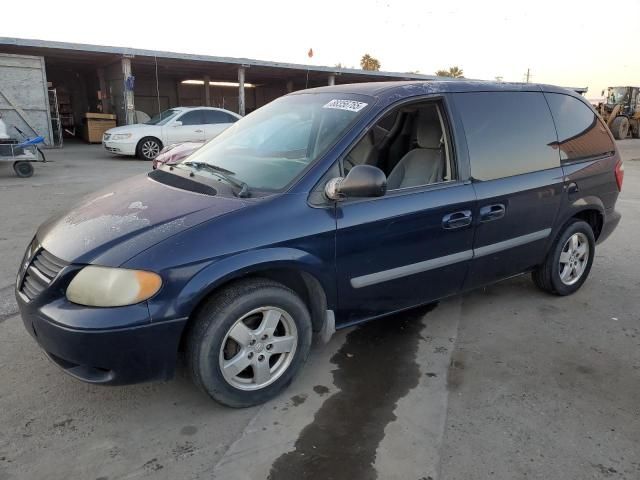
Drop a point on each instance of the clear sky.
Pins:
(565, 42)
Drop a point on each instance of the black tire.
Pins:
(635, 129)
(547, 276)
(214, 321)
(148, 148)
(23, 169)
(620, 128)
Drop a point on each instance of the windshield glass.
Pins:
(162, 118)
(270, 147)
(617, 95)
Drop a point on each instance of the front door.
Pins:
(402, 250)
(189, 128)
(414, 244)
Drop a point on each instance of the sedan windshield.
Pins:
(268, 149)
(162, 118)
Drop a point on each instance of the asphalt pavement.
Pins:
(505, 382)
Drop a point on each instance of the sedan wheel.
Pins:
(149, 148)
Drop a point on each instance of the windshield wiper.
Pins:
(224, 174)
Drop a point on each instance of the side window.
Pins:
(581, 134)
(231, 118)
(410, 145)
(216, 116)
(194, 117)
(508, 133)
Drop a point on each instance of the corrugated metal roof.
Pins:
(83, 47)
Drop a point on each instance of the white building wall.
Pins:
(24, 98)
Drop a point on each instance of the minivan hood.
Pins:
(120, 221)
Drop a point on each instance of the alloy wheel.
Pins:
(150, 149)
(574, 258)
(258, 348)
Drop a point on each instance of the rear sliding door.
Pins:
(517, 178)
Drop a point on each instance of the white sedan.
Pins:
(176, 125)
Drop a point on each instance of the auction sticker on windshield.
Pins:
(350, 105)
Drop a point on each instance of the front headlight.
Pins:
(120, 136)
(96, 286)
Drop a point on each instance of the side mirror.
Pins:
(361, 181)
(177, 123)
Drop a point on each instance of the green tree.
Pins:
(453, 72)
(367, 62)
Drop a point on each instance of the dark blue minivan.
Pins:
(326, 208)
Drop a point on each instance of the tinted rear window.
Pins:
(581, 134)
(508, 133)
(216, 116)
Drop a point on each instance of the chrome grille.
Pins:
(41, 271)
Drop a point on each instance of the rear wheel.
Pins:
(620, 128)
(568, 263)
(23, 169)
(148, 148)
(248, 342)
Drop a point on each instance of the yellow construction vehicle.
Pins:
(621, 111)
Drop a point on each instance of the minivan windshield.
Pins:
(269, 148)
(163, 117)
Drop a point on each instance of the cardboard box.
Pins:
(95, 124)
(100, 116)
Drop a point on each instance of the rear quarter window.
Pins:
(212, 117)
(507, 133)
(581, 134)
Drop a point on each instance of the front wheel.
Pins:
(248, 342)
(568, 264)
(620, 128)
(148, 148)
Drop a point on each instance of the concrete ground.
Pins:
(504, 383)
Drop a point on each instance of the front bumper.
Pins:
(137, 352)
(121, 148)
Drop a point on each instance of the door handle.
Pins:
(199, 131)
(492, 212)
(457, 220)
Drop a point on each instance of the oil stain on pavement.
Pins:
(376, 367)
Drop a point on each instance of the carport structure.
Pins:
(122, 80)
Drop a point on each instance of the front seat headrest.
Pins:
(428, 132)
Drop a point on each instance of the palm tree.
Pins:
(367, 62)
(453, 72)
(456, 72)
